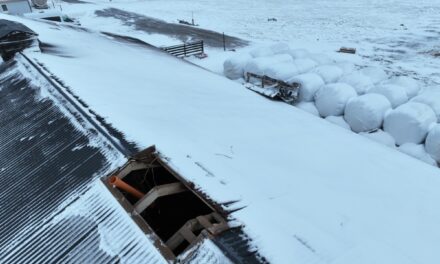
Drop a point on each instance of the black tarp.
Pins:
(7, 27)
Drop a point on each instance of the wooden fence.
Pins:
(187, 49)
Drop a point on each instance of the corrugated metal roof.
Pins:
(52, 208)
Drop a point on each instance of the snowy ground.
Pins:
(305, 199)
(341, 203)
(399, 35)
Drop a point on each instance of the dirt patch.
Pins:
(178, 31)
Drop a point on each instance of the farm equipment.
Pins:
(272, 88)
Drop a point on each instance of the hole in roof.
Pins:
(174, 212)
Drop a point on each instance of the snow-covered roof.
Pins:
(310, 192)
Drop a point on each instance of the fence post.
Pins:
(203, 47)
(224, 42)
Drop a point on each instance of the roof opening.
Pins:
(163, 203)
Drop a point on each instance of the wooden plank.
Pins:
(156, 192)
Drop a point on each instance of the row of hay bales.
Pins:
(394, 111)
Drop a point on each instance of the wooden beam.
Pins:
(156, 192)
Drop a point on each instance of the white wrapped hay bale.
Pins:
(411, 86)
(299, 53)
(381, 137)
(329, 73)
(417, 151)
(360, 82)
(346, 66)
(274, 49)
(409, 123)
(376, 74)
(339, 121)
(366, 112)
(308, 107)
(305, 65)
(309, 85)
(282, 71)
(432, 144)
(321, 59)
(332, 98)
(233, 68)
(431, 98)
(395, 94)
(260, 65)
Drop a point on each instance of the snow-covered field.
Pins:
(311, 191)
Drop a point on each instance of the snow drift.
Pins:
(417, 151)
(381, 137)
(339, 121)
(233, 68)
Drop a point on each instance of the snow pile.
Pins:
(360, 82)
(305, 65)
(376, 74)
(282, 71)
(339, 121)
(261, 64)
(411, 86)
(366, 112)
(431, 98)
(233, 68)
(417, 151)
(381, 137)
(309, 85)
(308, 107)
(329, 73)
(409, 123)
(332, 98)
(395, 94)
(433, 143)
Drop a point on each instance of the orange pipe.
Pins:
(116, 181)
